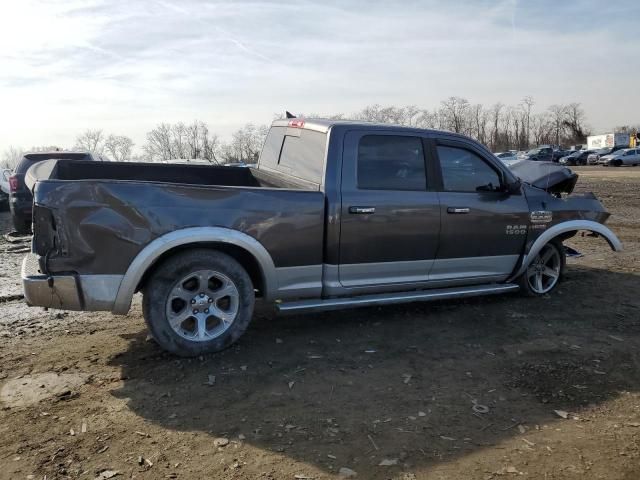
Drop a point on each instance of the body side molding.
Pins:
(564, 227)
(149, 254)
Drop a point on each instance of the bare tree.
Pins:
(455, 111)
(479, 117)
(201, 144)
(159, 146)
(542, 128)
(627, 128)
(91, 141)
(574, 123)
(527, 105)
(427, 119)
(182, 141)
(11, 156)
(245, 144)
(558, 115)
(118, 147)
(496, 114)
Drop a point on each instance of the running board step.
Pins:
(396, 297)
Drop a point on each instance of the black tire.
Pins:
(162, 282)
(524, 281)
(21, 226)
(617, 163)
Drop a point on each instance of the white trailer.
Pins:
(608, 140)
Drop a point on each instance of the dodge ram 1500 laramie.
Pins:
(336, 214)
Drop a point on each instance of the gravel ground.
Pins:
(500, 387)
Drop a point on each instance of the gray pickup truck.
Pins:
(336, 214)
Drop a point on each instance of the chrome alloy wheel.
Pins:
(202, 305)
(544, 271)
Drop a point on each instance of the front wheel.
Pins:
(544, 271)
(198, 302)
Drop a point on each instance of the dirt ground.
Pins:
(501, 387)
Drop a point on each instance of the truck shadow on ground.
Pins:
(351, 388)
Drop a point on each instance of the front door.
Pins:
(390, 220)
(484, 228)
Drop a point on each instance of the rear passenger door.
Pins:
(483, 229)
(390, 219)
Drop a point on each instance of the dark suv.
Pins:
(540, 154)
(20, 198)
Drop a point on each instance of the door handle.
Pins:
(365, 210)
(458, 210)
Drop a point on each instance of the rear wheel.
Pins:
(198, 302)
(544, 272)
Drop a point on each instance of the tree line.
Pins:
(499, 126)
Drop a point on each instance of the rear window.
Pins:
(31, 158)
(296, 152)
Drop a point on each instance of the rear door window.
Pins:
(391, 162)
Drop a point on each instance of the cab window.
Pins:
(391, 162)
(465, 171)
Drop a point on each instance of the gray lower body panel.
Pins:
(472, 267)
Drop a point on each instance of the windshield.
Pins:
(533, 151)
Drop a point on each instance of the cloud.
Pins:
(126, 66)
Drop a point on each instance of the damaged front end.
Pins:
(551, 177)
(557, 214)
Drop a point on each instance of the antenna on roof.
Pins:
(289, 114)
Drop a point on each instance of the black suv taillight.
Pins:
(13, 184)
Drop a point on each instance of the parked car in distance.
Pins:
(594, 157)
(540, 154)
(558, 154)
(4, 188)
(508, 158)
(579, 157)
(336, 214)
(626, 156)
(20, 198)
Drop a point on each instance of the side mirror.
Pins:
(513, 187)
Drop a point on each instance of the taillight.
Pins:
(13, 183)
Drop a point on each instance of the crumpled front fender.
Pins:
(565, 227)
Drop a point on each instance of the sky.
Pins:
(125, 66)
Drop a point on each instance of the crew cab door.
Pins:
(390, 220)
(484, 228)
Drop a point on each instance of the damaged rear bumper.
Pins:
(68, 291)
(40, 290)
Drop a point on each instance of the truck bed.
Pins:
(98, 216)
(191, 174)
